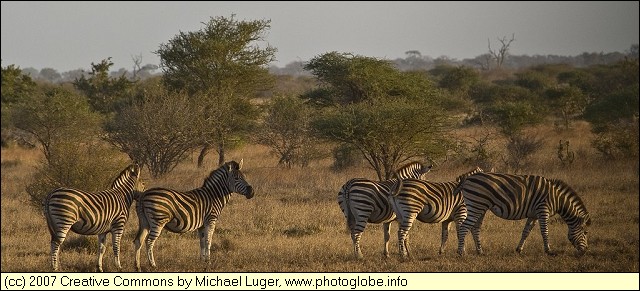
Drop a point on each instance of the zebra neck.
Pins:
(216, 185)
(568, 205)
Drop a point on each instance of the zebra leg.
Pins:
(140, 236)
(531, 222)
(102, 238)
(464, 228)
(475, 232)
(386, 228)
(205, 233)
(57, 238)
(445, 235)
(459, 217)
(202, 237)
(543, 219)
(403, 233)
(154, 233)
(58, 235)
(209, 235)
(116, 235)
(355, 238)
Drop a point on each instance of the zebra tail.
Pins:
(395, 188)
(46, 212)
(351, 220)
(458, 188)
(142, 217)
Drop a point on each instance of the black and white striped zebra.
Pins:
(92, 213)
(428, 202)
(365, 201)
(518, 197)
(180, 212)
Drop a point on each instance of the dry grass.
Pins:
(294, 224)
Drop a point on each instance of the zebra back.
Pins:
(397, 186)
(415, 170)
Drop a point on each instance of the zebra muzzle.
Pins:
(249, 193)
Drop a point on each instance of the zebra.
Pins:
(89, 213)
(516, 197)
(428, 202)
(181, 212)
(362, 200)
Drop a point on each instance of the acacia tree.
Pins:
(220, 66)
(158, 129)
(286, 130)
(54, 116)
(16, 87)
(105, 94)
(387, 115)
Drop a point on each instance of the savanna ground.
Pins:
(294, 224)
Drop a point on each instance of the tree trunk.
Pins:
(203, 153)
(221, 153)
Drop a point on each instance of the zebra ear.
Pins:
(240, 164)
(427, 169)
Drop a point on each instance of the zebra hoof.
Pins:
(552, 254)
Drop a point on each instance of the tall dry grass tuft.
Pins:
(294, 224)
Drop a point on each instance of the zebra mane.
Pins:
(125, 176)
(464, 176)
(222, 171)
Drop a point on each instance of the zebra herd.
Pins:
(405, 198)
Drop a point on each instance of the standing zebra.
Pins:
(517, 197)
(429, 202)
(363, 201)
(181, 212)
(89, 213)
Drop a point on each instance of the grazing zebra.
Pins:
(517, 197)
(428, 202)
(363, 201)
(89, 213)
(180, 212)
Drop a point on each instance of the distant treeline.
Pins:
(413, 61)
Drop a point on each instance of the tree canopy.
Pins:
(220, 66)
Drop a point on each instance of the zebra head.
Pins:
(415, 170)
(138, 189)
(573, 210)
(578, 233)
(129, 177)
(236, 181)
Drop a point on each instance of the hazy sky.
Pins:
(72, 35)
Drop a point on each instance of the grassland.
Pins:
(294, 224)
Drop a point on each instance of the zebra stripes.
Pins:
(428, 202)
(517, 197)
(363, 201)
(180, 212)
(90, 213)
